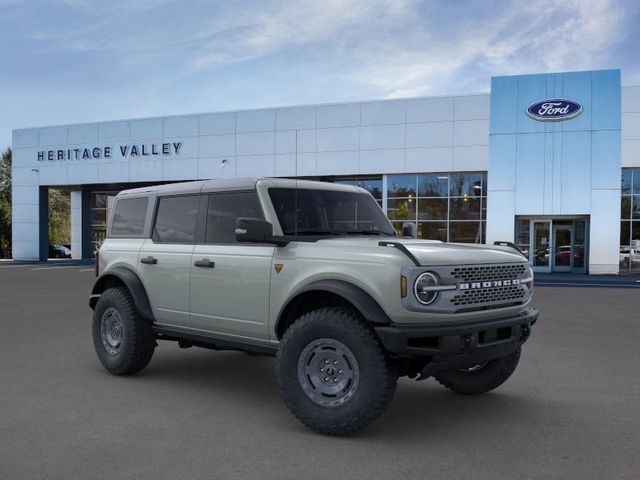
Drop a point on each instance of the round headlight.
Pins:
(423, 288)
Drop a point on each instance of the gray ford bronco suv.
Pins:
(314, 274)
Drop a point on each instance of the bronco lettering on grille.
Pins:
(488, 284)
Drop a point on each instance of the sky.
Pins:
(75, 61)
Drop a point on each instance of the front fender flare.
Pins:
(133, 283)
(356, 296)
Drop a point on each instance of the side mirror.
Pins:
(256, 230)
(409, 230)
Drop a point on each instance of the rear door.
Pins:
(164, 262)
(229, 280)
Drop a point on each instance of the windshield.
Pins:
(328, 212)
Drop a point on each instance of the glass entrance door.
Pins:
(554, 244)
(563, 248)
(541, 245)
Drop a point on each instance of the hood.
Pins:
(432, 252)
(437, 253)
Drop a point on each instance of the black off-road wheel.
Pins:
(480, 378)
(333, 373)
(122, 339)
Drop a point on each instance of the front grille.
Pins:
(491, 295)
(479, 273)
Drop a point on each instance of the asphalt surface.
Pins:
(571, 410)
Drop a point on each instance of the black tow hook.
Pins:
(466, 342)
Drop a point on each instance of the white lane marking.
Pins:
(55, 268)
(2, 267)
(560, 284)
(87, 270)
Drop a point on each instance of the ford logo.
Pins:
(554, 110)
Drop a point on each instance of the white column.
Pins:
(76, 224)
(25, 238)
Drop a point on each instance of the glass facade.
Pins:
(100, 204)
(630, 221)
(372, 184)
(444, 206)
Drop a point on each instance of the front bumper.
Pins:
(447, 347)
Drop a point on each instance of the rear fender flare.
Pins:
(130, 280)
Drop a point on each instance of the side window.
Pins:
(224, 210)
(128, 216)
(176, 219)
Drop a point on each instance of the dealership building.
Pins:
(550, 162)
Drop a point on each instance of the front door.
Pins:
(562, 248)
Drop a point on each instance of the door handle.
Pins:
(205, 262)
(149, 260)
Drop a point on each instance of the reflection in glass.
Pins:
(98, 200)
(401, 185)
(371, 185)
(634, 260)
(625, 246)
(465, 208)
(433, 185)
(461, 184)
(427, 198)
(432, 208)
(635, 206)
(523, 237)
(626, 180)
(579, 241)
(562, 247)
(402, 209)
(636, 180)
(625, 206)
(464, 232)
(432, 231)
(541, 244)
(99, 216)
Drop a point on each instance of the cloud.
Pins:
(539, 37)
(392, 48)
(77, 60)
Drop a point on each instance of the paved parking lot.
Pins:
(571, 410)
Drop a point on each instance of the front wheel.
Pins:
(480, 378)
(332, 372)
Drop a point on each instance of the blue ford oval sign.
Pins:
(554, 110)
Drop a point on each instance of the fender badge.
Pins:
(278, 267)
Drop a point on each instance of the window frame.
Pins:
(205, 216)
(198, 230)
(142, 234)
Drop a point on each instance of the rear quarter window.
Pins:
(128, 217)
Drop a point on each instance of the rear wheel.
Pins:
(332, 372)
(122, 339)
(480, 378)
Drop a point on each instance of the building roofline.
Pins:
(280, 107)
